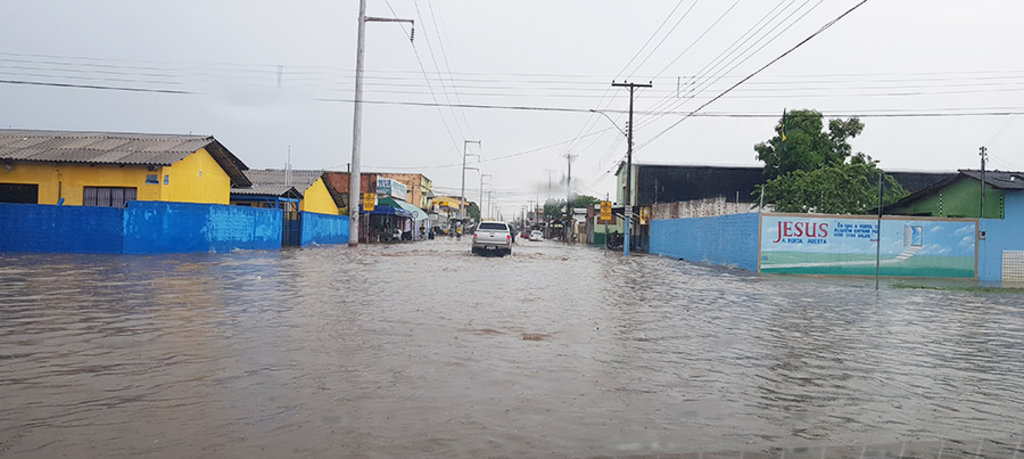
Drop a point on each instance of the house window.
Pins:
(107, 196)
(19, 193)
(151, 179)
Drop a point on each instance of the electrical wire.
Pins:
(748, 77)
(423, 69)
(673, 29)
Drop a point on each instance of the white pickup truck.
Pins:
(492, 237)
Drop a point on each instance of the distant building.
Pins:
(960, 196)
(297, 193)
(337, 183)
(661, 183)
(419, 188)
(270, 187)
(109, 169)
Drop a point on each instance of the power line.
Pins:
(92, 86)
(447, 64)
(876, 113)
(699, 37)
(433, 58)
(673, 29)
(423, 69)
(707, 71)
(769, 64)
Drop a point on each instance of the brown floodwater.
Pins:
(422, 349)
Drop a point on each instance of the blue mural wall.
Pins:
(166, 227)
(1000, 235)
(848, 245)
(324, 229)
(725, 240)
(69, 229)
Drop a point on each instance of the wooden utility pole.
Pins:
(629, 161)
(984, 155)
(568, 199)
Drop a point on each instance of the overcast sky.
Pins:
(263, 77)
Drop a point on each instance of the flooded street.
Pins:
(425, 350)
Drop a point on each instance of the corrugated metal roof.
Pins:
(276, 182)
(998, 179)
(99, 147)
(114, 148)
(266, 190)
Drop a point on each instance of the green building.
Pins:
(960, 196)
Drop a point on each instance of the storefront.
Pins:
(381, 224)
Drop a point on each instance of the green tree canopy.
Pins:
(473, 211)
(806, 146)
(555, 209)
(847, 188)
(810, 170)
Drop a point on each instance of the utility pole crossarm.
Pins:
(412, 24)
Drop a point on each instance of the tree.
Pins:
(584, 201)
(555, 209)
(847, 188)
(806, 146)
(473, 211)
(809, 170)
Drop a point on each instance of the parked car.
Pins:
(492, 237)
(536, 235)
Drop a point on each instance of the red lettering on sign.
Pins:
(801, 229)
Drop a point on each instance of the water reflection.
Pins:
(424, 349)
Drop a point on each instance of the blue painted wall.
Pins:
(69, 229)
(169, 227)
(324, 229)
(142, 227)
(1000, 235)
(725, 240)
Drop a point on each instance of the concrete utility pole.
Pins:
(549, 183)
(462, 197)
(354, 179)
(629, 162)
(984, 155)
(568, 198)
(481, 204)
(490, 204)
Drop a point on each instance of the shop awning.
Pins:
(417, 213)
(381, 209)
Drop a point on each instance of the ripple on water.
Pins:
(425, 349)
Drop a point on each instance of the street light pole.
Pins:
(629, 162)
(354, 178)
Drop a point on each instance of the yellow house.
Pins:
(300, 190)
(110, 169)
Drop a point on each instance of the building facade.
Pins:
(961, 194)
(337, 183)
(420, 188)
(305, 186)
(661, 183)
(110, 169)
